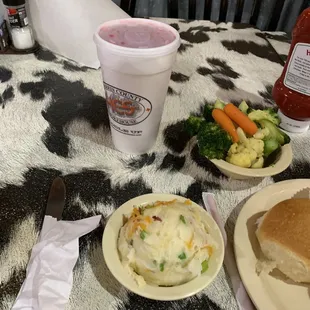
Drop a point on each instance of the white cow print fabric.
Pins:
(54, 122)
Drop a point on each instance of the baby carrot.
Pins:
(240, 119)
(226, 123)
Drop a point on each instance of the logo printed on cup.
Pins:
(126, 108)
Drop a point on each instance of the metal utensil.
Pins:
(56, 199)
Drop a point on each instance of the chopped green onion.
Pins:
(182, 256)
(142, 234)
(162, 267)
(182, 219)
(204, 266)
(155, 262)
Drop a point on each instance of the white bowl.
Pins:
(240, 173)
(112, 259)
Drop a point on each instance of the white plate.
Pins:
(275, 291)
(110, 253)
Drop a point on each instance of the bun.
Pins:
(284, 237)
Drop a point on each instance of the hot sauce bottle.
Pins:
(291, 91)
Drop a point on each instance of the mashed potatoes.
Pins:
(165, 243)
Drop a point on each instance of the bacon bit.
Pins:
(148, 219)
(189, 244)
(160, 203)
(156, 218)
(188, 202)
(209, 248)
(135, 212)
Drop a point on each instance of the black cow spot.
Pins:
(70, 101)
(204, 71)
(277, 37)
(7, 96)
(175, 26)
(221, 66)
(267, 94)
(297, 170)
(172, 162)
(12, 286)
(170, 91)
(69, 66)
(179, 77)
(175, 137)
(184, 47)
(45, 55)
(220, 73)
(143, 160)
(5, 74)
(199, 34)
(204, 162)
(56, 141)
(242, 26)
(245, 47)
(136, 302)
(94, 187)
(186, 21)
(223, 83)
(283, 57)
(18, 202)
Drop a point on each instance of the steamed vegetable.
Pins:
(219, 104)
(241, 119)
(207, 112)
(225, 122)
(243, 107)
(213, 141)
(269, 114)
(270, 146)
(274, 132)
(192, 124)
(248, 153)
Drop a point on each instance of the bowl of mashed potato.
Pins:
(163, 246)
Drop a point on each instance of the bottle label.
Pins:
(297, 75)
(17, 16)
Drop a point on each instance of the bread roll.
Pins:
(284, 237)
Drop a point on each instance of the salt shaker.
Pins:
(21, 32)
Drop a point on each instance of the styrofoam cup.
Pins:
(135, 78)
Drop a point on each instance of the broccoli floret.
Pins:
(213, 141)
(274, 132)
(219, 104)
(270, 145)
(207, 112)
(269, 114)
(243, 107)
(192, 124)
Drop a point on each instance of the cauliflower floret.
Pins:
(241, 156)
(261, 133)
(257, 146)
(233, 149)
(258, 163)
(240, 159)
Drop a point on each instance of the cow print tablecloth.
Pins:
(53, 121)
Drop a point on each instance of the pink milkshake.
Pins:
(136, 57)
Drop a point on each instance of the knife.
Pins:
(56, 199)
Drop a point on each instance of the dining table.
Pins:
(54, 122)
